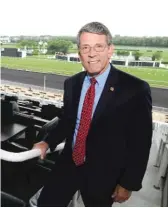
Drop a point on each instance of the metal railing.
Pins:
(160, 109)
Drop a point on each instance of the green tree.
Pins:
(137, 55)
(30, 44)
(156, 56)
(122, 53)
(68, 38)
(141, 41)
(35, 52)
(59, 46)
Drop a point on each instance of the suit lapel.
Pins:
(108, 93)
(77, 92)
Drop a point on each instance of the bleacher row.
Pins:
(54, 98)
(32, 93)
(11, 105)
(160, 116)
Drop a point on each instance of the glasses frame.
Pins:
(94, 47)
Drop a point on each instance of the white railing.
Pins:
(160, 138)
(23, 156)
(160, 132)
(160, 109)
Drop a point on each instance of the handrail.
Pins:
(160, 122)
(23, 156)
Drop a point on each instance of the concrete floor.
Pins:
(147, 196)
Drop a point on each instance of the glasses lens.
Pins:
(85, 49)
(99, 47)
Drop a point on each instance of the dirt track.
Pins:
(159, 95)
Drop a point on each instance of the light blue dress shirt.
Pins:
(101, 80)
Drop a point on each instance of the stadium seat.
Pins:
(50, 111)
(6, 112)
(8, 200)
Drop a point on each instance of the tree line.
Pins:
(63, 46)
(117, 40)
(141, 41)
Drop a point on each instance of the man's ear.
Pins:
(111, 51)
(112, 48)
(79, 55)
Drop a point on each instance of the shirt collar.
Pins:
(100, 78)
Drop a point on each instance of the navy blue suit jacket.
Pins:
(119, 139)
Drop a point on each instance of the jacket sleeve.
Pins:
(57, 135)
(139, 137)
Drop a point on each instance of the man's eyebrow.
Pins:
(94, 44)
(85, 44)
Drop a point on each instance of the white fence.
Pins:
(160, 138)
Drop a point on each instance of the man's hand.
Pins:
(121, 194)
(43, 146)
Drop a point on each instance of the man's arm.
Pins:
(57, 135)
(139, 136)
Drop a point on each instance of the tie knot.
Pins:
(93, 81)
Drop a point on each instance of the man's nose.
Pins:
(92, 52)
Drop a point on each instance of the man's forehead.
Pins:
(87, 38)
(98, 43)
(88, 34)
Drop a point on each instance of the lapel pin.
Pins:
(112, 89)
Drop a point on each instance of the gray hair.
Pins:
(96, 28)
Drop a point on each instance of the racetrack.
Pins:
(159, 95)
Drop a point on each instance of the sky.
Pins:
(66, 17)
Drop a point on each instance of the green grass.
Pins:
(40, 56)
(144, 51)
(9, 45)
(155, 76)
(41, 65)
(141, 47)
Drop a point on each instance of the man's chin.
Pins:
(93, 73)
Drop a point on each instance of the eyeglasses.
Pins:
(86, 48)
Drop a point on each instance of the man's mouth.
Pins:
(93, 62)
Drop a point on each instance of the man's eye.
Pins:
(99, 46)
(85, 47)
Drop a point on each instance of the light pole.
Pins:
(44, 83)
(45, 44)
(40, 44)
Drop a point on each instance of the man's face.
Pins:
(94, 52)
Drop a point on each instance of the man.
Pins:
(107, 126)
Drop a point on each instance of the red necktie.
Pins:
(86, 117)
